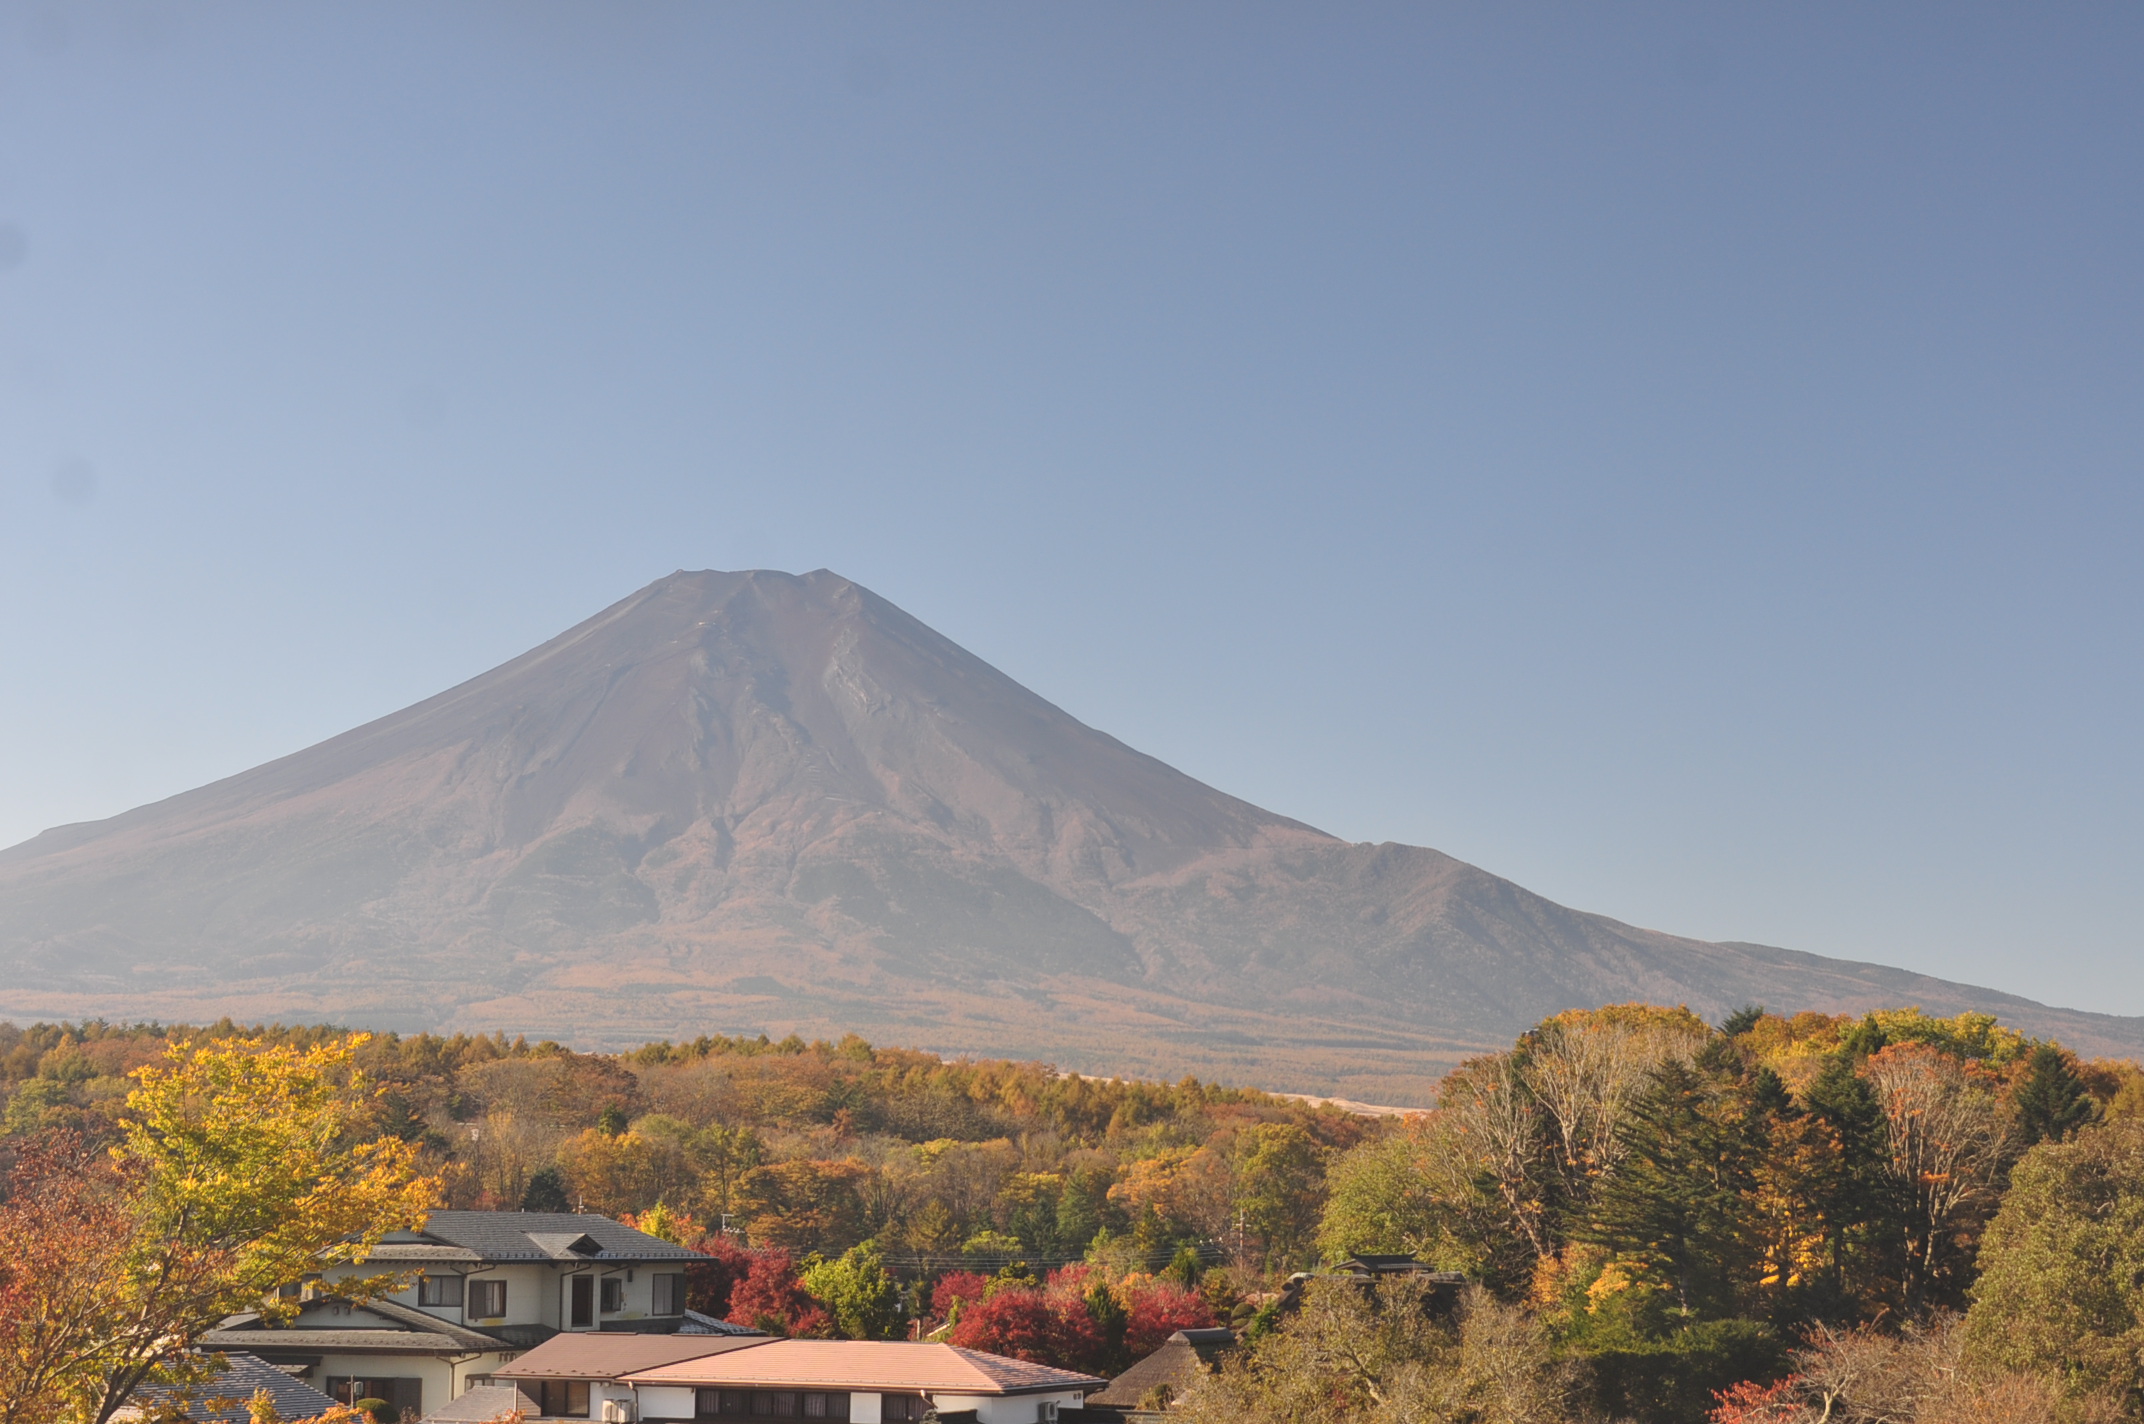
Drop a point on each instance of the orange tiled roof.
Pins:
(608, 1354)
(866, 1365)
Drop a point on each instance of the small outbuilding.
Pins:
(1152, 1385)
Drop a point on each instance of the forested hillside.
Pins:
(1661, 1218)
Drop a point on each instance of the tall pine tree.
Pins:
(2051, 1102)
(1677, 1201)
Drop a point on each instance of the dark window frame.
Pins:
(402, 1391)
(486, 1300)
(580, 1302)
(562, 1398)
(668, 1294)
(439, 1290)
(711, 1402)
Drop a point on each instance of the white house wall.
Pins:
(437, 1374)
(536, 1292)
(668, 1402)
(1003, 1408)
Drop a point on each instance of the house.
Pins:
(1368, 1266)
(572, 1376)
(1442, 1289)
(226, 1396)
(489, 1285)
(856, 1382)
(1149, 1387)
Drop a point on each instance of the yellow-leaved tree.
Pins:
(243, 1165)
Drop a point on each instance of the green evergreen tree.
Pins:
(1742, 1020)
(546, 1192)
(1110, 1320)
(2051, 1102)
(1851, 1191)
(1677, 1201)
(1084, 1208)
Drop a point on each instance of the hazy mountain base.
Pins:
(736, 802)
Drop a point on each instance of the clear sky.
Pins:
(1685, 459)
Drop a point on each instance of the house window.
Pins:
(439, 1290)
(826, 1406)
(565, 1399)
(401, 1393)
(613, 1295)
(900, 1408)
(487, 1299)
(669, 1295)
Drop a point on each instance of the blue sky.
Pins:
(1683, 458)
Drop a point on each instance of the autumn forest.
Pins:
(1770, 1219)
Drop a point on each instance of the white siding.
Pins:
(667, 1402)
(438, 1375)
(1006, 1409)
(864, 1408)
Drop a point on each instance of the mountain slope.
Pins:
(736, 801)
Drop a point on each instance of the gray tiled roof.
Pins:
(528, 1236)
(485, 1403)
(341, 1342)
(697, 1324)
(408, 1332)
(236, 1384)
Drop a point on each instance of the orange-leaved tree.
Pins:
(242, 1166)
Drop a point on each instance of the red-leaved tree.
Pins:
(957, 1286)
(772, 1297)
(64, 1227)
(709, 1283)
(1029, 1324)
(1159, 1309)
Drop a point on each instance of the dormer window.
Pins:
(565, 1245)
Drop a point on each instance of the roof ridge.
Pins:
(410, 1315)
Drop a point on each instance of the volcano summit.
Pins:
(746, 801)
